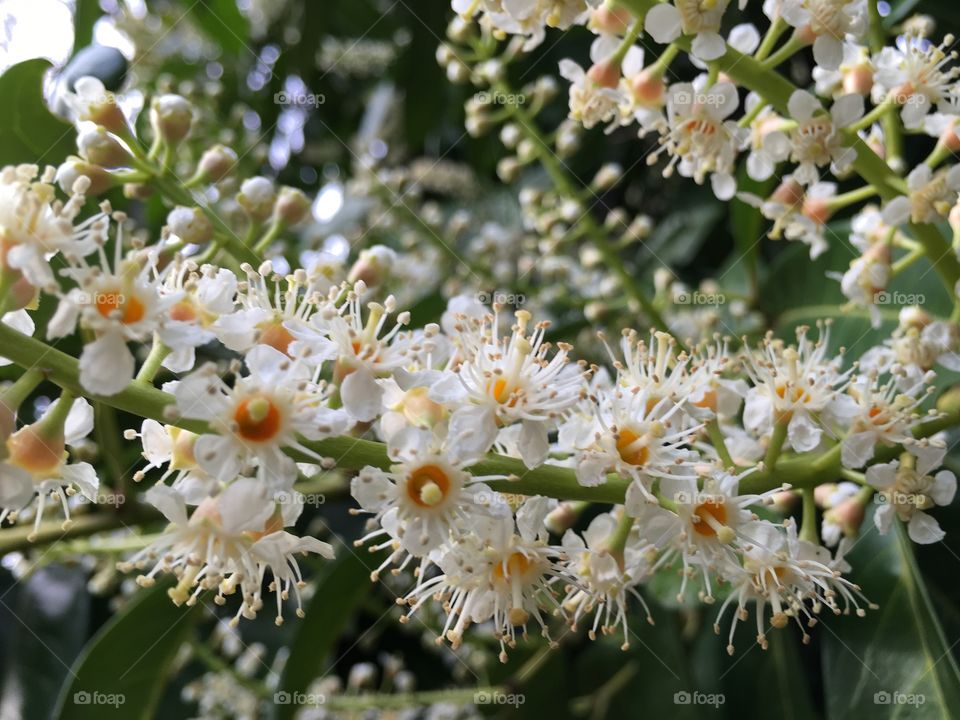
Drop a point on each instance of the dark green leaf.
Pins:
(29, 133)
(122, 671)
(85, 15)
(895, 662)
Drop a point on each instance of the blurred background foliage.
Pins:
(64, 625)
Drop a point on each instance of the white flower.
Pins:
(930, 197)
(829, 22)
(914, 73)
(506, 380)
(35, 227)
(263, 413)
(908, 492)
(700, 139)
(801, 386)
(595, 95)
(816, 141)
(229, 541)
(425, 497)
(665, 22)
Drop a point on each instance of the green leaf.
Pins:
(123, 669)
(881, 665)
(678, 236)
(747, 224)
(29, 133)
(341, 586)
(222, 21)
(85, 16)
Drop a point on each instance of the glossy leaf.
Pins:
(123, 669)
(29, 133)
(896, 661)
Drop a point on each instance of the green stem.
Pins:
(873, 116)
(808, 526)
(786, 51)
(853, 196)
(719, 443)
(776, 29)
(13, 396)
(151, 366)
(401, 701)
(776, 444)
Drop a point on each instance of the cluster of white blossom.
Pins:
(682, 432)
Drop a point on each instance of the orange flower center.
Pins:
(710, 514)
(629, 454)
(109, 301)
(258, 418)
(516, 566)
(428, 486)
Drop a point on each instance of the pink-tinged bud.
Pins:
(373, 266)
(562, 517)
(37, 449)
(823, 493)
(949, 138)
(612, 20)
(878, 253)
(605, 74)
(182, 456)
(784, 501)
(648, 88)
(848, 515)
(789, 193)
(817, 209)
(216, 163)
(22, 294)
(858, 79)
(292, 206)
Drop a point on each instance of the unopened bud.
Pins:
(611, 20)
(74, 168)
(292, 206)
(648, 89)
(191, 225)
(605, 73)
(216, 162)
(99, 147)
(257, 196)
(373, 266)
(858, 79)
(171, 117)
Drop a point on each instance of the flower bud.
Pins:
(99, 147)
(171, 117)
(191, 225)
(257, 196)
(373, 266)
(73, 169)
(95, 104)
(817, 209)
(949, 401)
(789, 193)
(605, 73)
(216, 162)
(847, 515)
(610, 20)
(858, 79)
(648, 89)
(292, 206)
